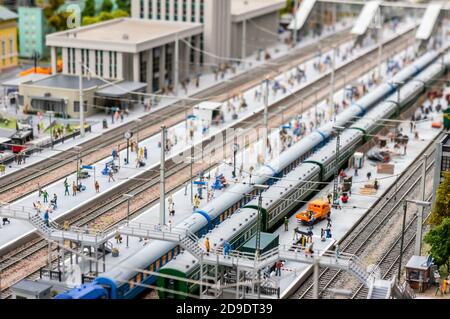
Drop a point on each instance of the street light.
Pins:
(338, 130)
(50, 114)
(405, 207)
(235, 150)
(127, 135)
(128, 197)
(78, 149)
(260, 188)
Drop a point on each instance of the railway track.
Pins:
(375, 222)
(114, 202)
(21, 182)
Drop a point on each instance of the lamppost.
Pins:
(50, 114)
(138, 123)
(338, 130)
(127, 135)
(260, 188)
(78, 149)
(128, 197)
(405, 207)
(235, 150)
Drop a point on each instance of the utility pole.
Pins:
(260, 188)
(316, 279)
(405, 208)
(244, 41)
(418, 244)
(380, 41)
(266, 115)
(78, 149)
(81, 101)
(338, 130)
(295, 31)
(176, 66)
(162, 178)
(331, 98)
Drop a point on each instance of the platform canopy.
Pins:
(302, 14)
(121, 89)
(428, 22)
(366, 17)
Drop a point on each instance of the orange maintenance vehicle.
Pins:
(317, 209)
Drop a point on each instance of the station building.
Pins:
(227, 23)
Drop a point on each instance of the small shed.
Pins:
(208, 111)
(27, 289)
(268, 242)
(418, 273)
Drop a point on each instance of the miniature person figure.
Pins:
(74, 189)
(45, 195)
(171, 209)
(286, 224)
(226, 248)
(111, 176)
(278, 266)
(369, 174)
(66, 188)
(207, 246)
(97, 187)
(196, 201)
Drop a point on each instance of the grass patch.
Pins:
(7, 123)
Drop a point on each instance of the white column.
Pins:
(172, 10)
(120, 65)
(189, 12)
(146, 15)
(154, 8)
(197, 54)
(65, 59)
(136, 67)
(77, 59)
(54, 58)
(197, 11)
(135, 8)
(106, 63)
(92, 60)
(244, 39)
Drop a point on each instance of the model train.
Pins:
(284, 195)
(124, 281)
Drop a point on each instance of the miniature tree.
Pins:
(106, 6)
(439, 239)
(441, 208)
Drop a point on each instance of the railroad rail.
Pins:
(372, 224)
(113, 200)
(54, 168)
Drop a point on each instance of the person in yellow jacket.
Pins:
(196, 201)
(207, 247)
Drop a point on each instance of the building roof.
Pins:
(6, 14)
(418, 262)
(124, 35)
(14, 82)
(121, 89)
(247, 9)
(64, 81)
(31, 286)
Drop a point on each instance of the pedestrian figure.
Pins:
(329, 197)
(356, 171)
(145, 152)
(196, 201)
(226, 248)
(46, 217)
(278, 266)
(66, 188)
(74, 189)
(39, 190)
(207, 247)
(45, 195)
(286, 224)
(369, 174)
(54, 201)
(375, 184)
(110, 176)
(5, 220)
(118, 238)
(171, 209)
(322, 234)
(97, 187)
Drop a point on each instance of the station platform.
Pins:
(67, 204)
(351, 213)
